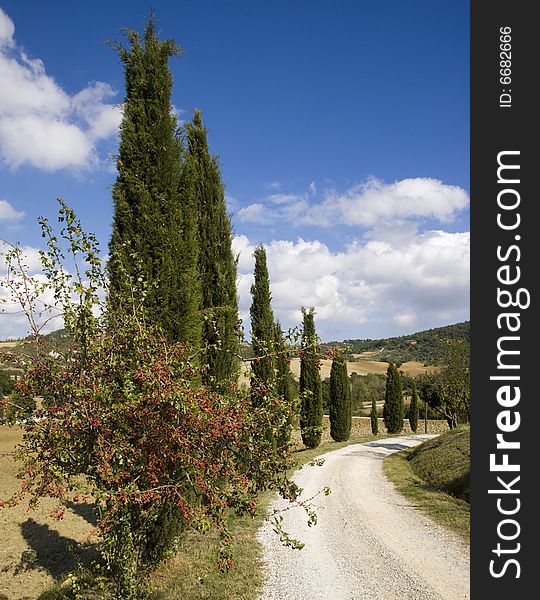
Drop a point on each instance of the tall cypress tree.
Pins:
(262, 327)
(340, 405)
(413, 410)
(284, 384)
(311, 412)
(393, 411)
(374, 418)
(153, 252)
(217, 264)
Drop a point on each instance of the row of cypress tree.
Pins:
(268, 349)
(171, 250)
(171, 241)
(271, 374)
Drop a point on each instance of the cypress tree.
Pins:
(217, 264)
(262, 328)
(374, 418)
(413, 410)
(340, 405)
(153, 252)
(310, 384)
(284, 387)
(393, 411)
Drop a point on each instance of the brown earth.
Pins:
(34, 549)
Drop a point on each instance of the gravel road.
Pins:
(370, 543)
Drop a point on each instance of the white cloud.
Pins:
(283, 198)
(7, 29)
(256, 212)
(368, 205)
(30, 257)
(13, 320)
(370, 286)
(405, 319)
(8, 213)
(26, 275)
(40, 124)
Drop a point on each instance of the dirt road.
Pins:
(370, 543)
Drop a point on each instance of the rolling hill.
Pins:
(419, 347)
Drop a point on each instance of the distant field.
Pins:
(369, 354)
(8, 344)
(364, 367)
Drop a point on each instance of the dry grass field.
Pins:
(8, 344)
(34, 549)
(364, 367)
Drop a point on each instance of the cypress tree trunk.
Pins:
(153, 252)
(310, 384)
(284, 387)
(217, 265)
(374, 418)
(340, 405)
(262, 329)
(393, 411)
(413, 410)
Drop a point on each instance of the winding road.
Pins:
(370, 543)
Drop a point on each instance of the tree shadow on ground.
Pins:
(388, 446)
(86, 510)
(50, 551)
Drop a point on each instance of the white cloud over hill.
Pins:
(375, 283)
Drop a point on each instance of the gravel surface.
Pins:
(369, 543)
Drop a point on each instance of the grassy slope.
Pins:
(435, 475)
(444, 462)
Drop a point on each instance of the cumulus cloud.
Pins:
(13, 320)
(367, 205)
(7, 29)
(407, 318)
(24, 286)
(373, 285)
(8, 213)
(42, 125)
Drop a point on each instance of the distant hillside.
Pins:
(421, 346)
(16, 353)
(418, 347)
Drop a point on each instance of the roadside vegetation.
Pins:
(193, 574)
(436, 477)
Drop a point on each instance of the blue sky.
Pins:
(342, 130)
